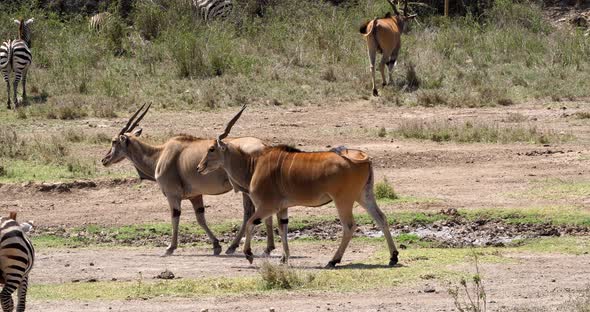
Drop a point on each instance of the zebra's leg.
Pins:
(15, 86)
(25, 86)
(200, 213)
(8, 93)
(6, 297)
(22, 294)
(6, 77)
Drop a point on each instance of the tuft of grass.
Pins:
(283, 277)
(382, 132)
(472, 132)
(470, 297)
(582, 115)
(384, 191)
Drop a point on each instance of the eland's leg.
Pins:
(248, 212)
(390, 66)
(344, 208)
(372, 59)
(270, 237)
(200, 213)
(283, 220)
(255, 220)
(367, 200)
(384, 60)
(175, 211)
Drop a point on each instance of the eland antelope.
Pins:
(173, 166)
(383, 35)
(280, 177)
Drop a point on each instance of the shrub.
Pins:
(282, 277)
(384, 190)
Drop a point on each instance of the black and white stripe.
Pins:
(16, 57)
(213, 9)
(16, 260)
(98, 21)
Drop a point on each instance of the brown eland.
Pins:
(383, 35)
(173, 166)
(280, 177)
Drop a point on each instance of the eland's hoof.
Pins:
(168, 252)
(393, 261)
(249, 256)
(332, 264)
(375, 92)
(231, 250)
(216, 250)
(268, 251)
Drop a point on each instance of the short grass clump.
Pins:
(384, 191)
(475, 132)
(282, 276)
(470, 296)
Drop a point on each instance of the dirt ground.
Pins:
(529, 282)
(438, 175)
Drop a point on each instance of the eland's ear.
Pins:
(30, 20)
(17, 22)
(137, 132)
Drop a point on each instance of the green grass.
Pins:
(557, 215)
(509, 54)
(16, 171)
(560, 189)
(475, 132)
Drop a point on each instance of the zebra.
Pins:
(213, 9)
(98, 21)
(16, 260)
(15, 56)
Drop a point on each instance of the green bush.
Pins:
(384, 190)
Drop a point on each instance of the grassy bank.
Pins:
(304, 52)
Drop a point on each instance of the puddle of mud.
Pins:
(454, 232)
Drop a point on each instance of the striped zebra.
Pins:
(213, 9)
(98, 21)
(16, 57)
(16, 260)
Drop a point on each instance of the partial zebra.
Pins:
(16, 260)
(212, 9)
(98, 21)
(16, 57)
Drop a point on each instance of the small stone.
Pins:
(204, 310)
(271, 310)
(429, 289)
(166, 275)
(91, 264)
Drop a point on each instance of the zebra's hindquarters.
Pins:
(16, 261)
